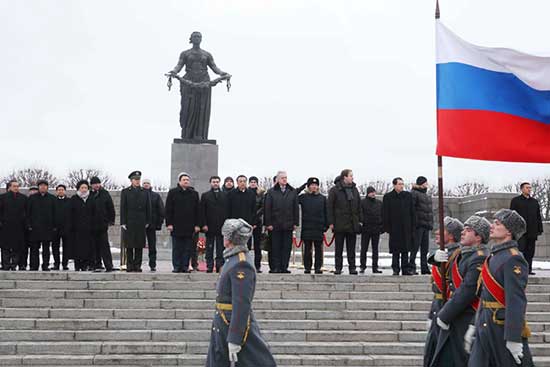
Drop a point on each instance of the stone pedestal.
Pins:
(199, 158)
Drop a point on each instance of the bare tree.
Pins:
(74, 176)
(540, 191)
(30, 176)
(471, 188)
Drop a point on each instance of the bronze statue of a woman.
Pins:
(196, 89)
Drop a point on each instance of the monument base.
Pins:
(196, 157)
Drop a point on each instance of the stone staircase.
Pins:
(164, 319)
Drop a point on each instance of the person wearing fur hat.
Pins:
(314, 224)
(452, 232)
(422, 203)
(371, 230)
(235, 335)
(500, 334)
(456, 314)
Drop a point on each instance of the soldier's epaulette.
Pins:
(242, 257)
(514, 251)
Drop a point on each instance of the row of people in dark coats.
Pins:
(72, 228)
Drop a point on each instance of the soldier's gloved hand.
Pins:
(442, 325)
(441, 256)
(516, 349)
(429, 324)
(123, 226)
(233, 350)
(469, 338)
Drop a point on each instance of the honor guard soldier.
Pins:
(235, 334)
(135, 217)
(500, 334)
(458, 312)
(451, 237)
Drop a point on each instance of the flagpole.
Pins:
(442, 266)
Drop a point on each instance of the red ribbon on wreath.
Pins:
(201, 245)
(328, 244)
(295, 242)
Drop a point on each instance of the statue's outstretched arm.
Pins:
(181, 63)
(214, 67)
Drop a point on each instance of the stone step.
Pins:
(259, 305)
(74, 324)
(198, 361)
(191, 360)
(201, 276)
(269, 314)
(163, 335)
(211, 294)
(201, 348)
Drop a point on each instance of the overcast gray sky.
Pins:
(318, 85)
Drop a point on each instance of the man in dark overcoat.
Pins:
(41, 225)
(183, 222)
(13, 207)
(399, 222)
(529, 208)
(135, 218)
(61, 238)
(103, 217)
(213, 212)
(157, 218)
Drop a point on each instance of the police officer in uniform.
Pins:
(235, 336)
(451, 237)
(455, 316)
(500, 334)
(135, 217)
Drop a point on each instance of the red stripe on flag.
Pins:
(492, 136)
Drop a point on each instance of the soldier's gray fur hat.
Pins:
(454, 227)
(238, 231)
(480, 225)
(512, 221)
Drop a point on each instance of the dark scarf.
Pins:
(348, 189)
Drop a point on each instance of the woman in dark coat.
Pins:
(79, 227)
(12, 225)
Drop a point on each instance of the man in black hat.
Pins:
(61, 237)
(103, 217)
(12, 225)
(422, 203)
(371, 230)
(41, 225)
(24, 255)
(135, 217)
(257, 232)
(528, 207)
(314, 224)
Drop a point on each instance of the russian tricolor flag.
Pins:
(492, 103)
